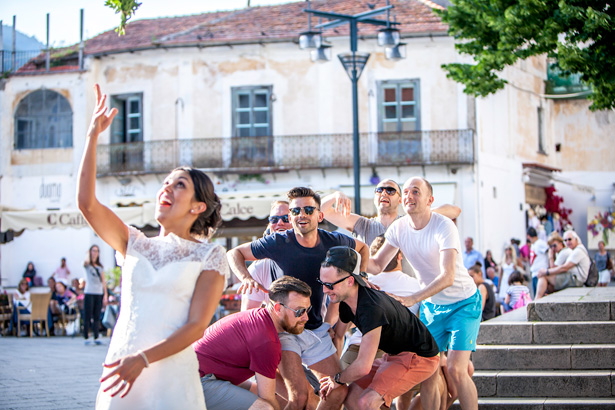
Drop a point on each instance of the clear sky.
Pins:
(64, 15)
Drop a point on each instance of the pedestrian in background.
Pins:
(95, 294)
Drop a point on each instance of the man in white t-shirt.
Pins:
(451, 305)
(265, 271)
(539, 257)
(572, 273)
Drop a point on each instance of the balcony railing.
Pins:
(280, 153)
(559, 83)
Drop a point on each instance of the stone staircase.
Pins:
(557, 353)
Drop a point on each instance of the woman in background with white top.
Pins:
(95, 294)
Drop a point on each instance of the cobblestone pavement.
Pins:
(49, 373)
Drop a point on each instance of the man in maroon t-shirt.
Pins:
(246, 344)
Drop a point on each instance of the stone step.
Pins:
(519, 332)
(554, 383)
(543, 403)
(545, 357)
(574, 304)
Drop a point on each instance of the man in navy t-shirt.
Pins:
(299, 253)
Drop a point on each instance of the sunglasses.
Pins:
(299, 312)
(568, 239)
(274, 219)
(553, 246)
(330, 285)
(309, 210)
(389, 190)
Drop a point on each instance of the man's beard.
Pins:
(295, 330)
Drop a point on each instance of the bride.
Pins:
(171, 285)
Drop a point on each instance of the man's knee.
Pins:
(370, 399)
(457, 371)
(297, 396)
(261, 404)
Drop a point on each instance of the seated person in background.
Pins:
(411, 353)
(21, 301)
(247, 344)
(572, 273)
(54, 306)
(604, 264)
(53, 303)
(62, 272)
(516, 291)
(486, 291)
(495, 280)
(21, 296)
(29, 274)
(66, 298)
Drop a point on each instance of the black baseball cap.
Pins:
(348, 260)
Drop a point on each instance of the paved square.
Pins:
(49, 373)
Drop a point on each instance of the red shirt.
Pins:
(239, 345)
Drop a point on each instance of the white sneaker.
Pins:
(87, 342)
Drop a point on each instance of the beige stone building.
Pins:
(231, 93)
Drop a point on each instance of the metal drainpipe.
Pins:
(47, 57)
(479, 225)
(81, 45)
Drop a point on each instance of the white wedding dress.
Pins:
(158, 279)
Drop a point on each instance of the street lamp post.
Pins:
(353, 63)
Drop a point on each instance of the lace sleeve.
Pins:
(216, 260)
(133, 235)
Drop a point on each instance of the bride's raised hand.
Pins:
(102, 118)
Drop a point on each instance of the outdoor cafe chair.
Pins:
(6, 315)
(66, 318)
(38, 309)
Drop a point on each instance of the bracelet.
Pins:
(144, 357)
(336, 378)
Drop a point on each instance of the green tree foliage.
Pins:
(579, 34)
(124, 7)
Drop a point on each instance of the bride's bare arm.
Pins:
(205, 300)
(105, 223)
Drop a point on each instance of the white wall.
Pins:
(45, 248)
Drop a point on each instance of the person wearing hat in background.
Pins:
(412, 354)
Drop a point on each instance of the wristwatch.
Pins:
(547, 272)
(336, 378)
(363, 275)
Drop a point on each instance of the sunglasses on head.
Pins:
(275, 219)
(389, 190)
(309, 210)
(329, 285)
(299, 312)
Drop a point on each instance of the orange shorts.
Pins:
(392, 376)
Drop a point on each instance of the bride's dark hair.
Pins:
(208, 221)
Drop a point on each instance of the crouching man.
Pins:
(411, 353)
(246, 344)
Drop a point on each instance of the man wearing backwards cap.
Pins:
(412, 354)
